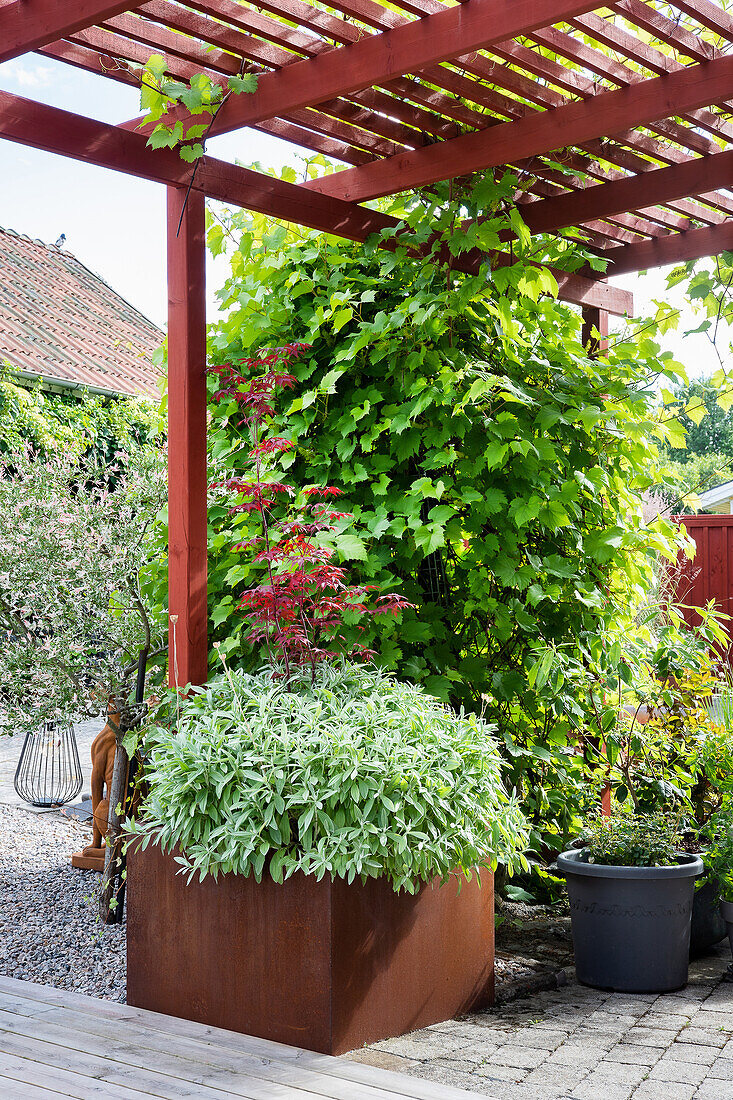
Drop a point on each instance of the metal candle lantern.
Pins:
(49, 772)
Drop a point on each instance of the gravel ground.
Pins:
(49, 931)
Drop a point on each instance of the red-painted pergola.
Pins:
(633, 98)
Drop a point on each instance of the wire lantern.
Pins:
(49, 772)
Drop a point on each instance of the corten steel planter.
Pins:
(322, 965)
(631, 925)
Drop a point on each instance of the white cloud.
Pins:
(37, 76)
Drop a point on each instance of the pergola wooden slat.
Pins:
(411, 47)
(615, 118)
(537, 134)
(27, 24)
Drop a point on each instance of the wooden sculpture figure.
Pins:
(104, 747)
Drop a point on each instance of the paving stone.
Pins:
(540, 1038)
(682, 1072)
(597, 1037)
(496, 1073)
(633, 998)
(568, 1012)
(406, 1048)
(434, 1036)
(600, 1089)
(675, 1006)
(721, 999)
(721, 1070)
(381, 1059)
(649, 1036)
(577, 1054)
(520, 1057)
(714, 1090)
(691, 1052)
(529, 1092)
(444, 1076)
(483, 1024)
(611, 1021)
(620, 1073)
(660, 1090)
(564, 1078)
(719, 988)
(704, 1036)
(717, 1018)
(454, 1028)
(579, 1044)
(666, 1021)
(473, 1054)
(634, 1054)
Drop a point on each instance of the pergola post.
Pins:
(595, 330)
(595, 340)
(188, 643)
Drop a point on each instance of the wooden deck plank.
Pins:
(13, 1090)
(26, 1073)
(151, 1073)
(230, 1071)
(153, 1055)
(40, 1054)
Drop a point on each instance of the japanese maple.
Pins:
(298, 610)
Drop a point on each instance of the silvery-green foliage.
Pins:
(351, 773)
(73, 611)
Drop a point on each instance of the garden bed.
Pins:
(49, 931)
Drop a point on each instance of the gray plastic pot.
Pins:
(631, 925)
(708, 926)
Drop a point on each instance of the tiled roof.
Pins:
(62, 322)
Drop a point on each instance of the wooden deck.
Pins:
(54, 1043)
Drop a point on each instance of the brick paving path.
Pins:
(580, 1044)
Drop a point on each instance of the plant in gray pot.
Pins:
(717, 840)
(631, 891)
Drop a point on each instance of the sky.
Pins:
(115, 224)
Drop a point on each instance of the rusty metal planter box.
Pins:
(321, 965)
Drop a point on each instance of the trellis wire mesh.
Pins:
(49, 772)
(431, 574)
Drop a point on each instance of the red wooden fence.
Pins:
(709, 576)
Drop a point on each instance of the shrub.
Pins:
(298, 609)
(494, 471)
(349, 774)
(75, 613)
(715, 842)
(630, 840)
(98, 431)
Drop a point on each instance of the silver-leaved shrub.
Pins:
(75, 611)
(348, 773)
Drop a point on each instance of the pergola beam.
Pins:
(676, 248)
(57, 131)
(376, 58)
(26, 25)
(640, 192)
(538, 133)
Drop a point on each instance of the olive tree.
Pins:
(77, 627)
